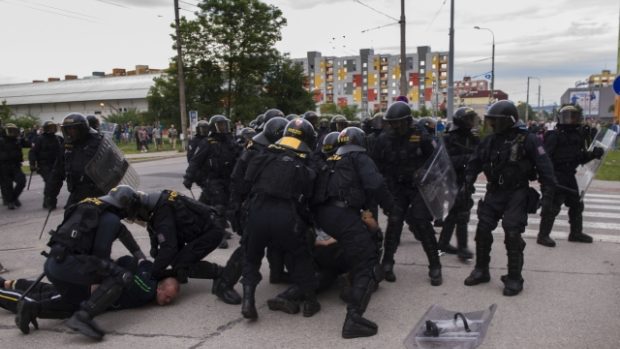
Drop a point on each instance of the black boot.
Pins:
(248, 308)
(388, 271)
(513, 282)
(576, 228)
(445, 236)
(287, 301)
(430, 248)
(461, 238)
(311, 304)
(225, 292)
(356, 326)
(546, 224)
(82, 322)
(480, 274)
(27, 313)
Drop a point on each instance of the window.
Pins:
(364, 65)
(393, 92)
(422, 71)
(393, 76)
(422, 63)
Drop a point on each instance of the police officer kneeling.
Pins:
(80, 257)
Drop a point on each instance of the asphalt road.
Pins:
(571, 297)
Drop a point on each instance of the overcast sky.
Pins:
(558, 41)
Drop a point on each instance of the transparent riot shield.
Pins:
(586, 172)
(109, 168)
(436, 181)
(445, 329)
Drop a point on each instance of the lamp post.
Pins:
(492, 96)
(527, 97)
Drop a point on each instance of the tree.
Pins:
(284, 88)
(238, 35)
(348, 111)
(521, 109)
(5, 112)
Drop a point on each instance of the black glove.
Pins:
(153, 252)
(187, 184)
(598, 152)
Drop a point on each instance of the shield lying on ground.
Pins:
(445, 329)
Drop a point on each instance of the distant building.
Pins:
(100, 94)
(479, 100)
(605, 78)
(372, 81)
(596, 101)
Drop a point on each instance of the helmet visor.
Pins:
(222, 127)
(498, 124)
(570, 117)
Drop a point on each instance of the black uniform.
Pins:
(279, 182)
(71, 165)
(183, 231)
(11, 170)
(398, 157)
(193, 145)
(350, 183)
(80, 257)
(509, 160)
(567, 148)
(211, 168)
(46, 149)
(460, 144)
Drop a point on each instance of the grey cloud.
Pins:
(145, 3)
(306, 4)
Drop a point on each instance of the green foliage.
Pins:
(610, 170)
(23, 121)
(284, 88)
(130, 117)
(348, 111)
(532, 115)
(422, 112)
(5, 112)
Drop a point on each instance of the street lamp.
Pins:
(491, 97)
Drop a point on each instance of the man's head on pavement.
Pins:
(167, 290)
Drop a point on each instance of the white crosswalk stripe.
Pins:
(601, 217)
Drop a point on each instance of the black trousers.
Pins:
(12, 174)
(275, 222)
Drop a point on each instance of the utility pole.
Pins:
(527, 100)
(450, 106)
(403, 54)
(180, 76)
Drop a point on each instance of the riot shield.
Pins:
(586, 172)
(436, 181)
(109, 168)
(444, 329)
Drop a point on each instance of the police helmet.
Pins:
(50, 127)
(466, 118)
(219, 124)
(124, 198)
(272, 131)
(570, 115)
(324, 123)
(11, 130)
(246, 134)
(202, 128)
(330, 143)
(398, 111)
(74, 128)
(338, 123)
(312, 117)
(272, 113)
(351, 139)
(260, 122)
(501, 116)
(298, 135)
(290, 117)
(429, 124)
(93, 122)
(376, 123)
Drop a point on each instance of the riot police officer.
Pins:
(279, 182)
(223, 288)
(460, 143)
(566, 146)
(202, 131)
(399, 153)
(11, 170)
(93, 122)
(182, 231)
(46, 149)
(245, 136)
(338, 123)
(342, 192)
(212, 165)
(80, 257)
(509, 157)
(81, 144)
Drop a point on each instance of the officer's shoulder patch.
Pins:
(94, 201)
(173, 195)
(334, 158)
(161, 238)
(414, 138)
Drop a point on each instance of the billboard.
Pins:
(587, 100)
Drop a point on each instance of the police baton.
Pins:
(567, 189)
(191, 192)
(36, 282)
(45, 223)
(29, 179)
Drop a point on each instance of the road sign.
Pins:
(193, 120)
(617, 85)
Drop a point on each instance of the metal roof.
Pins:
(91, 89)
